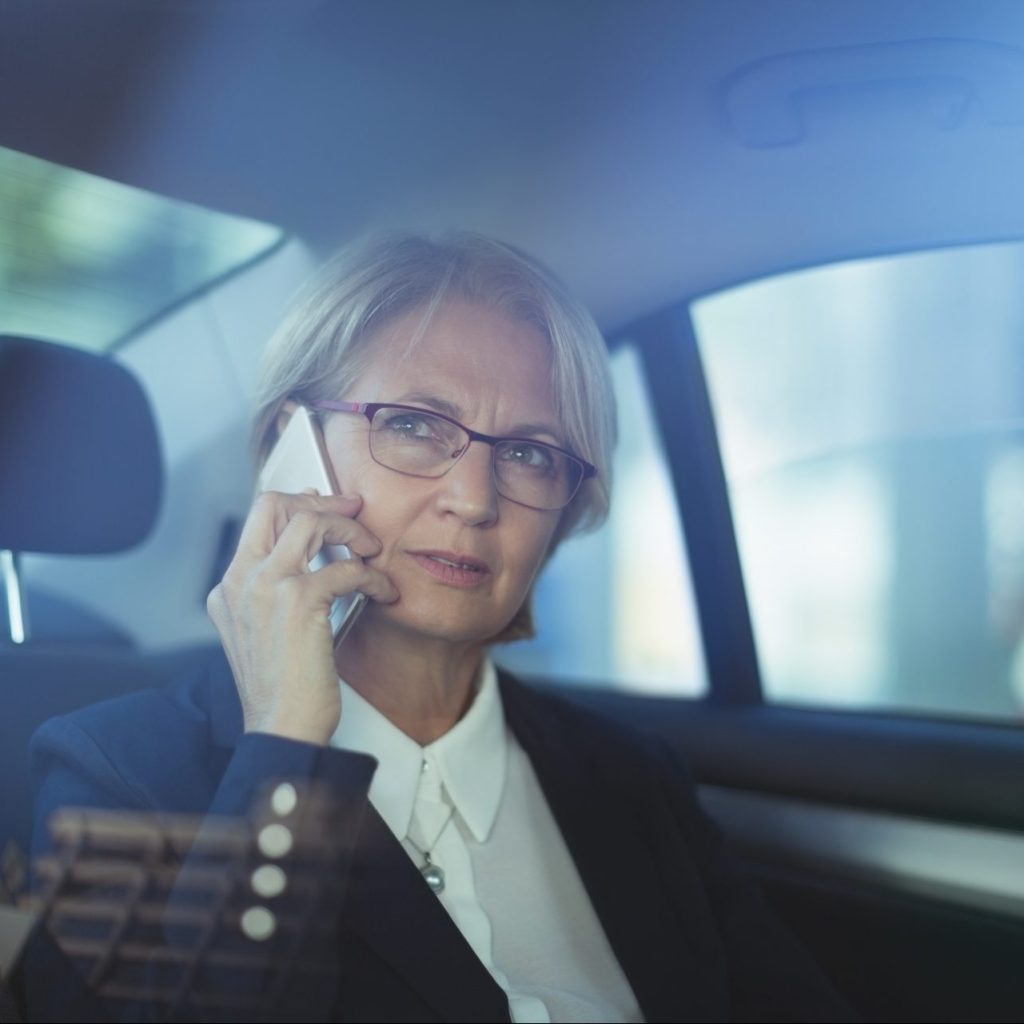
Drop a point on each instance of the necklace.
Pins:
(431, 872)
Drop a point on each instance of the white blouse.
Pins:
(472, 801)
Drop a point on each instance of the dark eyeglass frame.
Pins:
(370, 410)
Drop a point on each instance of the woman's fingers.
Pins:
(308, 530)
(346, 575)
(306, 533)
(272, 511)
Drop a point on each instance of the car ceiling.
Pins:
(649, 151)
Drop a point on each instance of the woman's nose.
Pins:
(468, 489)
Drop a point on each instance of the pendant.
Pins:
(434, 877)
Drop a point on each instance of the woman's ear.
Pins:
(284, 415)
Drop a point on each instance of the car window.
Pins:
(87, 261)
(615, 608)
(870, 417)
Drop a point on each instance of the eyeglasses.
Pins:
(420, 443)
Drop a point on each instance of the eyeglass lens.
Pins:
(422, 444)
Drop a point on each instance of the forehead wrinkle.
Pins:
(434, 401)
(454, 376)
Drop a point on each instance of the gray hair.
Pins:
(324, 343)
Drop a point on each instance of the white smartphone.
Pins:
(297, 461)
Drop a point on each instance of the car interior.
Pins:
(800, 226)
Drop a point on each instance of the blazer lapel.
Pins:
(392, 909)
(667, 968)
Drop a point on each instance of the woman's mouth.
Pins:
(452, 568)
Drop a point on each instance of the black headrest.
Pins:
(80, 465)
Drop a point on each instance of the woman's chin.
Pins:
(431, 624)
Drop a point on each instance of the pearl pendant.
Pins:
(434, 877)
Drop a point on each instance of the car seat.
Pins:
(80, 473)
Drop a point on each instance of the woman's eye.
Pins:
(409, 425)
(531, 456)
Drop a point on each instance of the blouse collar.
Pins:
(470, 758)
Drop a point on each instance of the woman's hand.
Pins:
(273, 614)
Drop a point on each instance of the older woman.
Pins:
(509, 855)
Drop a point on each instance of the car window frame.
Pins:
(878, 759)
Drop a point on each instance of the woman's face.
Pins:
(492, 375)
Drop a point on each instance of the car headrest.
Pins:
(80, 465)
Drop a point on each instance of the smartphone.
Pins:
(298, 460)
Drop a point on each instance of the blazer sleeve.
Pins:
(771, 977)
(95, 760)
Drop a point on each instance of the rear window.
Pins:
(87, 262)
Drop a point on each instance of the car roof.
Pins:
(649, 151)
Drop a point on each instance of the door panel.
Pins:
(894, 849)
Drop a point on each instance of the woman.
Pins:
(509, 855)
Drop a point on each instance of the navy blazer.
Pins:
(691, 934)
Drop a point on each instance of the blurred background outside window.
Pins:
(871, 420)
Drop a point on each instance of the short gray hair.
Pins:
(323, 343)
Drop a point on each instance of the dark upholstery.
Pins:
(80, 473)
(79, 457)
